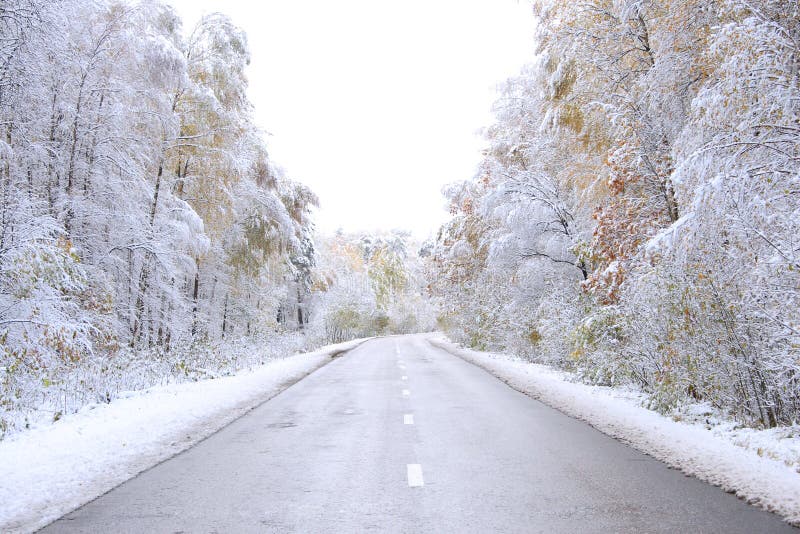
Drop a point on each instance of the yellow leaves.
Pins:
(68, 249)
(534, 336)
(572, 117)
(387, 274)
(577, 354)
(348, 252)
(322, 283)
(62, 342)
(565, 82)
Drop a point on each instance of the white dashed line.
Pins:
(404, 377)
(408, 419)
(415, 479)
(406, 393)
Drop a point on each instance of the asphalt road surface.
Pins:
(400, 436)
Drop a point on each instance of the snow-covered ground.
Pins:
(51, 470)
(760, 466)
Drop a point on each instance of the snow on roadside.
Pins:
(719, 455)
(49, 471)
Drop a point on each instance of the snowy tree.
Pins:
(140, 212)
(634, 218)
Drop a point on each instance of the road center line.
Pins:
(406, 393)
(415, 479)
(408, 419)
(404, 377)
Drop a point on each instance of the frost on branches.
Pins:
(635, 218)
(142, 223)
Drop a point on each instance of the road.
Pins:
(400, 436)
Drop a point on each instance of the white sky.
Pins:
(376, 104)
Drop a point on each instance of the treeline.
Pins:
(140, 213)
(636, 216)
(370, 284)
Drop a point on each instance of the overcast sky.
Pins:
(376, 104)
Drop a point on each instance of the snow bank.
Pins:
(718, 458)
(50, 471)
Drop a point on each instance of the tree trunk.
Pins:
(225, 316)
(145, 272)
(70, 214)
(195, 293)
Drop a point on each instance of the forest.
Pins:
(146, 236)
(634, 218)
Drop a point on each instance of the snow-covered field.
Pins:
(760, 466)
(51, 470)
